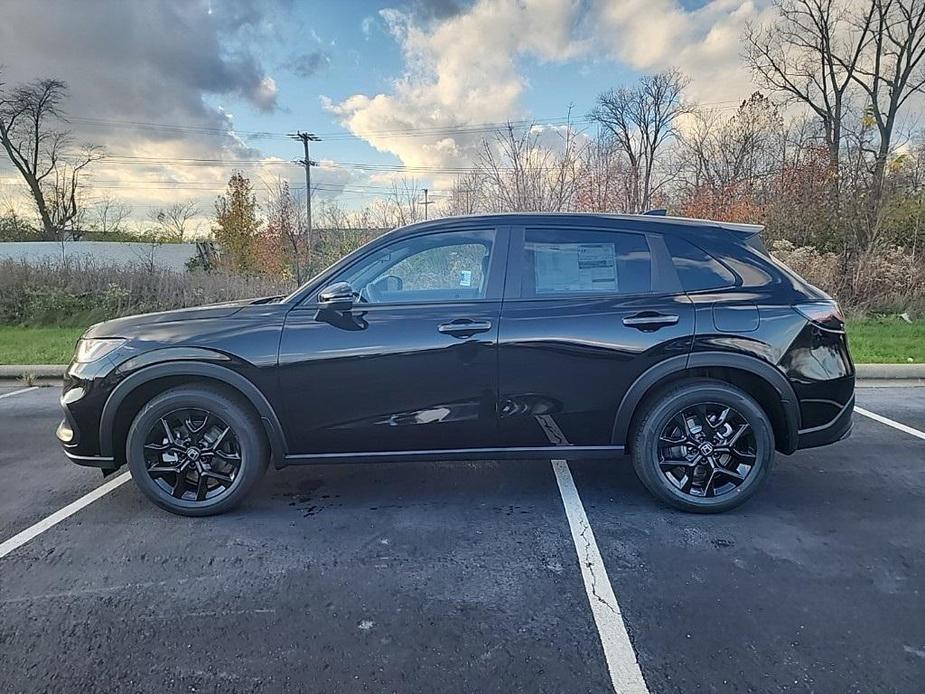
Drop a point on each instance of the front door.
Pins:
(586, 312)
(413, 365)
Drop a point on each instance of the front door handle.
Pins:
(464, 327)
(650, 320)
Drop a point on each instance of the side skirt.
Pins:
(455, 454)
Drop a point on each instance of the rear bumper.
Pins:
(836, 430)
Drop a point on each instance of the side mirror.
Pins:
(337, 297)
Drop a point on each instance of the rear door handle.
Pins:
(650, 320)
(464, 327)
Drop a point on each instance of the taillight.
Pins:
(826, 314)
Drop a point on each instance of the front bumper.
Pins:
(85, 391)
(92, 460)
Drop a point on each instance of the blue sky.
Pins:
(157, 83)
(361, 56)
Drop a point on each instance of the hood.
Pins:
(129, 325)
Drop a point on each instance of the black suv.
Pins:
(678, 341)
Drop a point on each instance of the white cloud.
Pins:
(464, 69)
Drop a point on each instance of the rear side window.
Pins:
(697, 270)
(574, 261)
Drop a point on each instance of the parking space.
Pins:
(464, 577)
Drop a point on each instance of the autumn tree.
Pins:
(284, 245)
(730, 163)
(236, 226)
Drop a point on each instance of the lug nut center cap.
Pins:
(193, 453)
(706, 448)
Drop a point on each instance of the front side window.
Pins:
(575, 261)
(448, 266)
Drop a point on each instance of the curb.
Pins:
(891, 371)
(38, 371)
(880, 372)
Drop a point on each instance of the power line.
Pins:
(405, 131)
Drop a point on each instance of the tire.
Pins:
(712, 475)
(230, 456)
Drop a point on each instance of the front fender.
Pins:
(172, 362)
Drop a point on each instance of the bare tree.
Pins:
(810, 54)
(640, 120)
(110, 215)
(893, 73)
(734, 154)
(172, 222)
(400, 207)
(29, 114)
(516, 171)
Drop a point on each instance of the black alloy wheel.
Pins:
(196, 450)
(703, 446)
(192, 454)
(707, 450)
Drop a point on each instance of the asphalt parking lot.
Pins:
(465, 577)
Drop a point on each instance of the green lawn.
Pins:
(37, 345)
(887, 341)
(873, 341)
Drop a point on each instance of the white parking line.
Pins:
(22, 538)
(625, 674)
(18, 392)
(889, 422)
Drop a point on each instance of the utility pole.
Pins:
(426, 203)
(305, 138)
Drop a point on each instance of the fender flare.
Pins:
(214, 371)
(767, 372)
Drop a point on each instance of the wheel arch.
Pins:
(760, 379)
(134, 390)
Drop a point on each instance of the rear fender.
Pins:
(677, 366)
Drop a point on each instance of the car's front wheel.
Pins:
(196, 450)
(703, 446)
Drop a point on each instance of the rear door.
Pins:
(586, 311)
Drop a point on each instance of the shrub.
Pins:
(883, 280)
(79, 291)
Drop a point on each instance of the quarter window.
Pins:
(575, 261)
(448, 266)
(697, 270)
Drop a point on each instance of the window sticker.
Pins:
(575, 267)
(465, 278)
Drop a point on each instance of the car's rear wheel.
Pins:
(196, 450)
(703, 446)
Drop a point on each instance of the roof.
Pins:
(748, 229)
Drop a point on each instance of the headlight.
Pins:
(92, 349)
